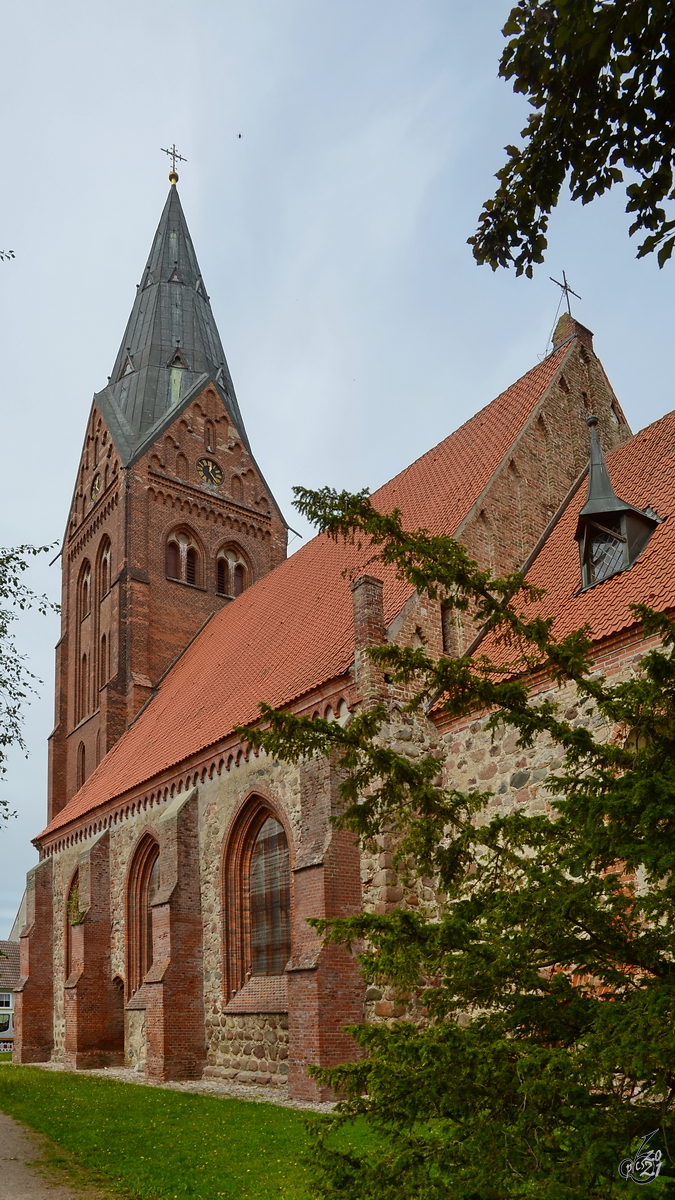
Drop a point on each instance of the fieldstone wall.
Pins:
(135, 1045)
(252, 1048)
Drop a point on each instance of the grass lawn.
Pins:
(153, 1144)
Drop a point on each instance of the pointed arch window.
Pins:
(104, 573)
(142, 889)
(183, 558)
(72, 918)
(84, 591)
(104, 662)
(233, 572)
(81, 765)
(256, 898)
(209, 436)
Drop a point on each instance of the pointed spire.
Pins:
(171, 347)
(601, 495)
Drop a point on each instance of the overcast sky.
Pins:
(331, 235)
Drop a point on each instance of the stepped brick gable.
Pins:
(167, 920)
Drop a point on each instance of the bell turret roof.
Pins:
(171, 346)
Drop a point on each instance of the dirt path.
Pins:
(22, 1177)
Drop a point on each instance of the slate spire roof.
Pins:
(171, 346)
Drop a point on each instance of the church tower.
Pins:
(171, 517)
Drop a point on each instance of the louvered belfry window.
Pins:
(269, 899)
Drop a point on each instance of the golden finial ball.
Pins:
(173, 177)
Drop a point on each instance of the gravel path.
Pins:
(203, 1087)
(22, 1177)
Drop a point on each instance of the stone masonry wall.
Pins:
(473, 758)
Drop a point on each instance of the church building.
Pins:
(166, 919)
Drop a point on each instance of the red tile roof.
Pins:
(642, 472)
(293, 630)
(9, 965)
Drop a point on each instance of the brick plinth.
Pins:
(94, 1004)
(34, 994)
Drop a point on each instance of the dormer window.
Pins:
(611, 533)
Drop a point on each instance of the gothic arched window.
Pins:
(183, 557)
(104, 568)
(72, 918)
(104, 662)
(209, 436)
(81, 765)
(256, 898)
(233, 573)
(142, 888)
(222, 577)
(84, 591)
(269, 900)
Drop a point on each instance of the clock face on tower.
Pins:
(95, 487)
(209, 471)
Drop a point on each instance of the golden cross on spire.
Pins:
(565, 287)
(174, 156)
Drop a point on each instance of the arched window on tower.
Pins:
(104, 662)
(173, 560)
(183, 557)
(104, 568)
(81, 765)
(257, 898)
(233, 572)
(142, 888)
(84, 591)
(209, 436)
(222, 577)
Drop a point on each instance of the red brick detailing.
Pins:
(34, 994)
(117, 541)
(368, 607)
(94, 1003)
(172, 990)
(325, 988)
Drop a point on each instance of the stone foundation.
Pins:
(251, 1048)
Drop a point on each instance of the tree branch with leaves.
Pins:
(544, 966)
(600, 79)
(17, 682)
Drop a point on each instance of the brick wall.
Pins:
(146, 618)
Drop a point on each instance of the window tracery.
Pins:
(183, 558)
(142, 888)
(256, 897)
(233, 572)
